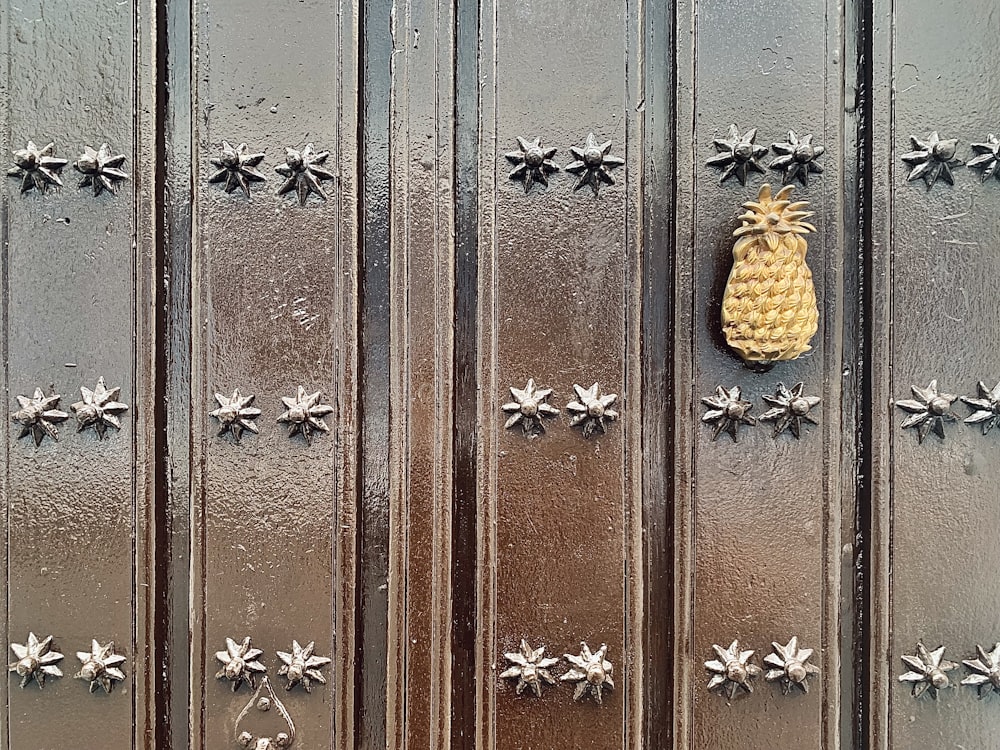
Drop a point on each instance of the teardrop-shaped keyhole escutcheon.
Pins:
(264, 722)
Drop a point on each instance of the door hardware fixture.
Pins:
(789, 409)
(236, 414)
(591, 409)
(101, 169)
(927, 671)
(987, 671)
(304, 173)
(732, 670)
(737, 154)
(38, 416)
(530, 667)
(932, 158)
(798, 158)
(240, 663)
(929, 412)
(304, 414)
(35, 660)
(534, 163)
(769, 311)
(591, 672)
(987, 158)
(38, 168)
(593, 164)
(789, 665)
(727, 411)
(251, 721)
(986, 408)
(99, 409)
(302, 666)
(528, 409)
(237, 167)
(101, 666)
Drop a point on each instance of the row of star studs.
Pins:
(39, 168)
(926, 671)
(732, 668)
(789, 409)
(36, 661)
(590, 670)
(590, 411)
(931, 409)
(241, 663)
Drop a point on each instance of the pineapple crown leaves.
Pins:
(771, 218)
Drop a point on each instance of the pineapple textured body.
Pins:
(769, 311)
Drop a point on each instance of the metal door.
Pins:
(369, 385)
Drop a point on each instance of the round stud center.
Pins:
(593, 157)
(234, 668)
(264, 704)
(91, 670)
(743, 151)
(796, 672)
(736, 672)
(939, 679)
(533, 157)
(27, 665)
(529, 407)
(294, 160)
(297, 414)
(529, 673)
(804, 154)
(595, 408)
(799, 407)
(938, 406)
(944, 151)
(734, 410)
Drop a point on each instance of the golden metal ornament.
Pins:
(769, 311)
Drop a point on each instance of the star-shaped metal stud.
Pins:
(987, 158)
(305, 413)
(728, 411)
(931, 159)
(593, 164)
(731, 670)
(986, 408)
(927, 671)
(528, 408)
(35, 660)
(591, 409)
(302, 666)
(101, 666)
(987, 669)
(534, 163)
(100, 407)
(789, 665)
(237, 168)
(101, 169)
(738, 154)
(38, 168)
(789, 409)
(530, 667)
(239, 663)
(304, 173)
(38, 417)
(235, 414)
(591, 672)
(929, 412)
(798, 158)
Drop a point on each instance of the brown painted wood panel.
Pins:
(273, 530)
(758, 521)
(935, 258)
(558, 302)
(78, 288)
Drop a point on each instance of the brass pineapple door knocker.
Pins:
(769, 311)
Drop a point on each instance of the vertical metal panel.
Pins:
(559, 304)
(274, 294)
(422, 288)
(758, 522)
(78, 305)
(935, 317)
